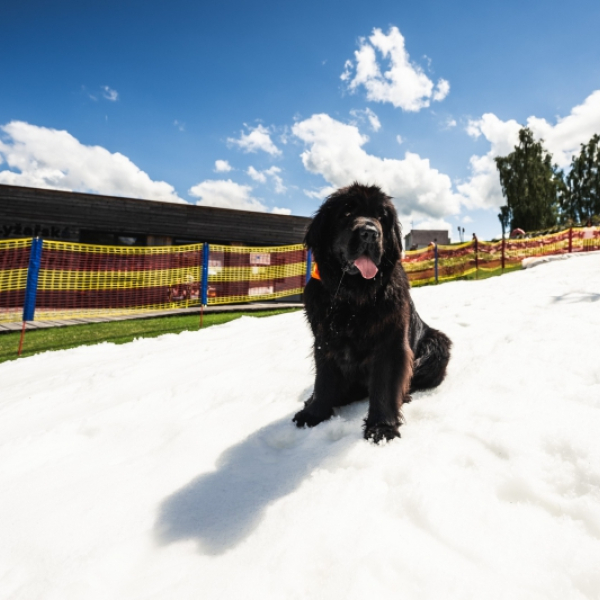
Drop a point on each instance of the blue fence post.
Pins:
(308, 266)
(205, 254)
(435, 253)
(33, 271)
(35, 258)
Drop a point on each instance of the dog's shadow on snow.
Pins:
(221, 508)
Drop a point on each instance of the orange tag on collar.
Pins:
(314, 271)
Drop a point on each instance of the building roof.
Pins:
(30, 208)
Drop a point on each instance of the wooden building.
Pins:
(95, 219)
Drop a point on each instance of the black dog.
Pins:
(369, 339)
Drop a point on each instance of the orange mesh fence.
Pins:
(14, 259)
(78, 281)
(240, 274)
(81, 280)
(586, 239)
(445, 263)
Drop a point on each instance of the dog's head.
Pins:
(356, 232)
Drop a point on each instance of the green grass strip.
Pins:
(117, 332)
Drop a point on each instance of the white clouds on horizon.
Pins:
(225, 193)
(434, 225)
(50, 158)
(562, 140)
(403, 84)
(335, 151)
(257, 138)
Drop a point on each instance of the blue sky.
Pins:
(294, 99)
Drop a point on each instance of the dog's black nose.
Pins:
(368, 233)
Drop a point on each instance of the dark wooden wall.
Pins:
(64, 215)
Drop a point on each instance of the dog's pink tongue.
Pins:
(366, 267)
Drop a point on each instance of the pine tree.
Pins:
(530, 184)
(582, 199)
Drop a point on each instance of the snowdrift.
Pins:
(169, 467)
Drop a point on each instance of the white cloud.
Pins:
(256, 139)
(272, 173)
(222, 166)
(48, 158)
(334, 150)
(483, 190)
(257, 175)
(403, 84)
(281, 211)
(179, 125)
(224, 193)
(110, 94)
(434, 225)
(321, 193)
(369, 115)
(399, 139)
(442, 89)
(450, 122)
(562, 139)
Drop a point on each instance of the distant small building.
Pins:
(421, 238)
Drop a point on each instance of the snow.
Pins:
(169, 467)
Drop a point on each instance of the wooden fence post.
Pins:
(571, 239)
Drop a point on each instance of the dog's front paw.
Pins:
(307, 419)
(381, 432)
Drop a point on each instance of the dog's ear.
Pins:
(398, 235)
(316, 233)
(395, 247)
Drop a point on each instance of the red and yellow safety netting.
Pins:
(241, 274)
(466, 260)
(82, 280)
(14, 259)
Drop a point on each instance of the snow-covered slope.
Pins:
(169, 467)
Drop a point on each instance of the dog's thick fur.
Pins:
(369, 339)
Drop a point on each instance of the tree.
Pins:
(530, 184)
(582, 198)
(505, 219)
